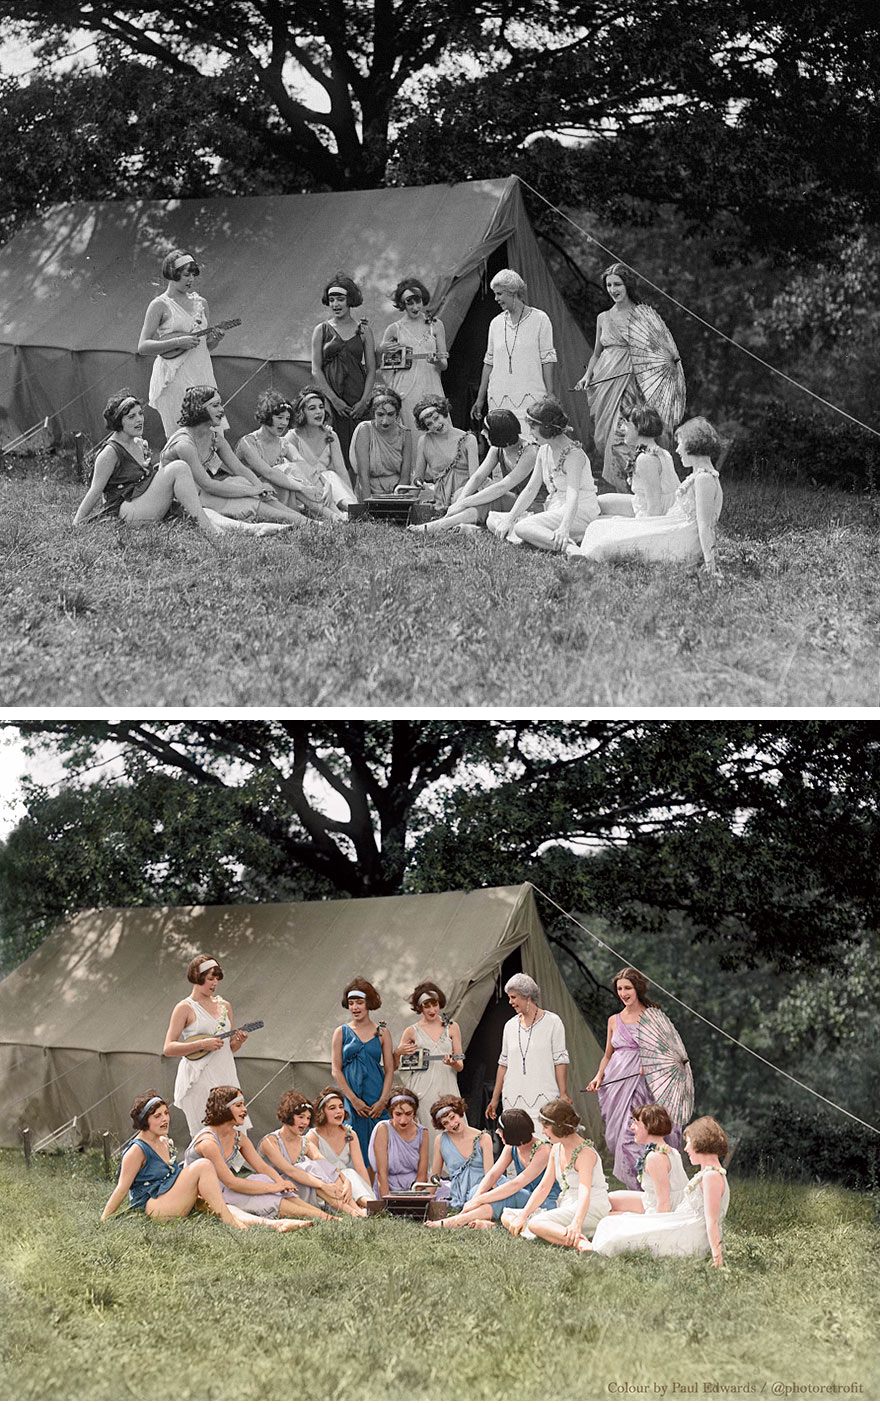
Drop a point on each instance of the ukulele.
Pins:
(418, 1061)
(203, 1052)
(173, 354)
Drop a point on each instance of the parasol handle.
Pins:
(685, 1062)
(605, 380)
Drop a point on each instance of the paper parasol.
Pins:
(666, 1065)
(656, 364)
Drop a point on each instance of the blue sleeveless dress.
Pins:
(154, 1178)
(362, 1067)
(464, 1173)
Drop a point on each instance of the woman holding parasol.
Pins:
(644, 1061)
(635, 361)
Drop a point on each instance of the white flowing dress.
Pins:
(672, 537)
(342, 1161)
(681, 1234)
(170, 380)
(678, 1181)
(438, 1079)
(530, 1057)
(517, 354)
(195, 1080)
(569, 1184)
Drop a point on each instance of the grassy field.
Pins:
(386, 1309)
(367, 615)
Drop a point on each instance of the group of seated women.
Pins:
(548, 1186)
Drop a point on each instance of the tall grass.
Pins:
(386, 1309)
(368, 615)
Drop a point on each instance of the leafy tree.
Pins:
(765, 837)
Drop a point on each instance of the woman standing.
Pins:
(195, 1027)
(317, 453)
(438, 1039)
(399, 1146)
(173, 322)
(362, 1060)
(333, 1139)
(126, 480)
(564, 469)
(520, 357)
(381, 447)
(464, 1152)
(610, 379)
(446, 457)
(577, 1169)
(423, 340)
(694, 1228)
(533, 1065)
(222, 1141)
(344, 357)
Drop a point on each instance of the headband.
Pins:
(182, 259)
(429, 995)
(128, 403)
(403, 1097)
(208, 965)
(444, 1111)
(355, 994)
(149, 1106)
(233, 1101)
(327, 1097)
(303, 1107)
(334, 287)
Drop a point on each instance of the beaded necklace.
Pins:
(526, 312)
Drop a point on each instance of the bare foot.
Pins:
(584, 1245)
(288, 1225)
(483, 1223)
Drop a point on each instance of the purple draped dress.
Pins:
(403, 1158)
(617, 1099)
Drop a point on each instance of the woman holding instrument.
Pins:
(172, 323)
(423, 336)
(195, 1027)
(438, 1038)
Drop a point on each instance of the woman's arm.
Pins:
(380, 1156)
(104, 465)
(318, 376)
(357, 1159)
(252, 459)
(217, 487)
(606, 1058)
(208, 1147)
(587, 376)
(647, 473)
(251, 1157)
(584, 1167)
(391, 337)
(388, 1064)
(421, 463)
(456, 1058)
(151, 344)
(337, 462)
(713, 1192)
(527, 1176)
(574, 465)
(491, 1178)
(132, 1161)
(526, 497)
(337, 1075)
(560, 1056)
(486, 1147)
(511, 480)
(437, 1159)
(422, 1172)
(657, 1166)
(407, 1044)
(359, 452)
(492, 1104)
(480, 402)
(174, 1046)
(441, 358)
(535, 1200)
(370, 367)
(231, 461)
(705, 488)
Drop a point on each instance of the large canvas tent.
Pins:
(82, 1021)
(74, 286)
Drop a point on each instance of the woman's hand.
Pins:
(584, 381)
(560, 538)
(492, 1109)
(595, 1084)
(376, 1110)
(477, 409)
(516, 1225)
(407, 1045)
(573, 1234)
(358, 408)
(214, 338)
(238, 1039)
(210, 1045)
(187, 343)
(452, 1058)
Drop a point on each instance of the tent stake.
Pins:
(105, 1146)
(80, 457)
(26, 1146)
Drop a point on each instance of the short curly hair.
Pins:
(138, 1120)
(707, 1137)
(197, 977)
(373, 998)
(352, 291)
(409, 285)
(298, 408)
(438, 402)
(384, 392)
(270, 403)
(406, 1092)
(217, 1105)
(426, 987)
(655, 1119)
(447, 1103)
(192, 408)
(121, 403)
(698, 436)
(319, 1105)
(290, 1104)
(560, 1116)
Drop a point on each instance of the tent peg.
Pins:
(26, 1146)
(105, 1146)
(79, 446)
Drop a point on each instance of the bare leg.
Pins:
(462, 516)
(274, 512)
(174, 480)
(627, 1202)
(300, 1209)
(480, 1216)
(196, 1181)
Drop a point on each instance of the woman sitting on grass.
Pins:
(525, 1155)
(315, 1179)
(659, 1170)
(268, 454)
(381, 447)
(399, 1146)
(462, 1151)
(446, 457)
(334, 1140)
(128, 483)
(651, 474)
(564, 469)
(154, 1181)
(321, 475)
(693, 1230)
(509, 455)
(686, 531)
(265, 1193)
(577, 1169)
(227, 487)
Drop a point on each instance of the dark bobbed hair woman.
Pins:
(176, 322)
(461, 1152)
(267, 452)
(508, 1183)
(195, 1026)
(563, 469)
(344, 357)
(362, 1060)
(399, 1145)
(575, 1166)
(333, 1139)
(661, 1175)
(418, 339)
(650, 474)
(126, 483)
(446, 457)
(381, 446)
(487, 499)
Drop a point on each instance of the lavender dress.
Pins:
(403, 1157)
(263, 1205)
(617, 1099)
(320, 1169)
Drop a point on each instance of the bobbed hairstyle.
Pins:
(502, 428)
(138, 1120)
(698, 436)
(516, 1127)
(384, 392)
(548, 416)
(192, 409)
(352, 291)
(560, 1116)
(270, 403)
(438, 402)
(118, 406)
(426, 987)
(655, 1119)
(173, 257)
(707, 1137)
(639, 983)
(319, 1106)
(197, 977)
(298, 408)
(409, 285)
(217, 1106)
(447, 1103)
(645, 420)
(399, 1091)
(626, 276)
(292, 1102)
(373, 998)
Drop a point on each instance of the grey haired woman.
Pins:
(533, 1064)
(520, 359)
